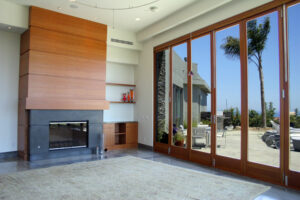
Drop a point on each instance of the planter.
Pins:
(179, 143)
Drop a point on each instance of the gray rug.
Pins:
(125, 178)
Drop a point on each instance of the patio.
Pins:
(258, 151)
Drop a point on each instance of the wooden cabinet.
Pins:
(109, 135)
(120, 135)
(131, 133)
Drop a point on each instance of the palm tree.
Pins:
(257, 37)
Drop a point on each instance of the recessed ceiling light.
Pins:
(137, 19)
(72, 0)
(9, 27)
(59, 8)
(73, 6)
(153, 8)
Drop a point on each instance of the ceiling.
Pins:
(124, 19)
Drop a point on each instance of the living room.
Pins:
(149, 99)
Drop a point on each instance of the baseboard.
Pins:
(144, 146)
(11, 154)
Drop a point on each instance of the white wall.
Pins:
(144, 72)
(122, 55)
(9, 79)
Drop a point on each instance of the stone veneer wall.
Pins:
(161, 94)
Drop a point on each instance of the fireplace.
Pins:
(63, 135)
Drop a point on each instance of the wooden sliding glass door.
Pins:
(265, 103)
(202, 101)
(292, 104)
(228, 96)
(180, 92)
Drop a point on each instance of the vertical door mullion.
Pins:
(283, 111)
(170, 99)
(189, 69)
(213, 94)
(244, 94)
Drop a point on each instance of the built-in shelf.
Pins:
(122, 102)
(121, 84)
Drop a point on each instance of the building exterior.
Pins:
(200, 91)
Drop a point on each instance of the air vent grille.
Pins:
(121, 41)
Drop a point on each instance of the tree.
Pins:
(270, 113)
(257, 37)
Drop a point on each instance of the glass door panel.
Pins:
(201, 94)
(294, 90)
(263, 90)
(180, 95)
(228, 91)
(162, 96)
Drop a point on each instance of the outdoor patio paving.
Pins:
(258, 151)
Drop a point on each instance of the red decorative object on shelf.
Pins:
(124, 97)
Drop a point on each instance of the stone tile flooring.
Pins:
(15, 165)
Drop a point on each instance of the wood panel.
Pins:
(201, 157)
(293, 180)
(24, 64)
(123, 146)
(109, 135)
(265, 173)
(131, 133)
(179, 152)
(25, 41)
(161, 148)
(228, 164)
(22, 116)
(66, 104)
(65, 66)
(64, 88)
(23, 87)
(55, 21)
(65, 44)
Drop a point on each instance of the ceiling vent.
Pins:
(121, 41)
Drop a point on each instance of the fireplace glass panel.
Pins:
(64, 135)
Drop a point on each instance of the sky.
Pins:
(228, 69)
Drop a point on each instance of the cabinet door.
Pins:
(131, 133)
(109, 135)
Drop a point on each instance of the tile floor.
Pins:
(15, 165)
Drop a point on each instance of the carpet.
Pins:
(125, 178)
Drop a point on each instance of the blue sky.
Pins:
(228, 69)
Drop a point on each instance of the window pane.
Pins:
(263, 90)
(228, 91)
(201, 94)
(162, 97)
(294, 61)
(180, 100)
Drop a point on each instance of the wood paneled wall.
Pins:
(62, 67)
